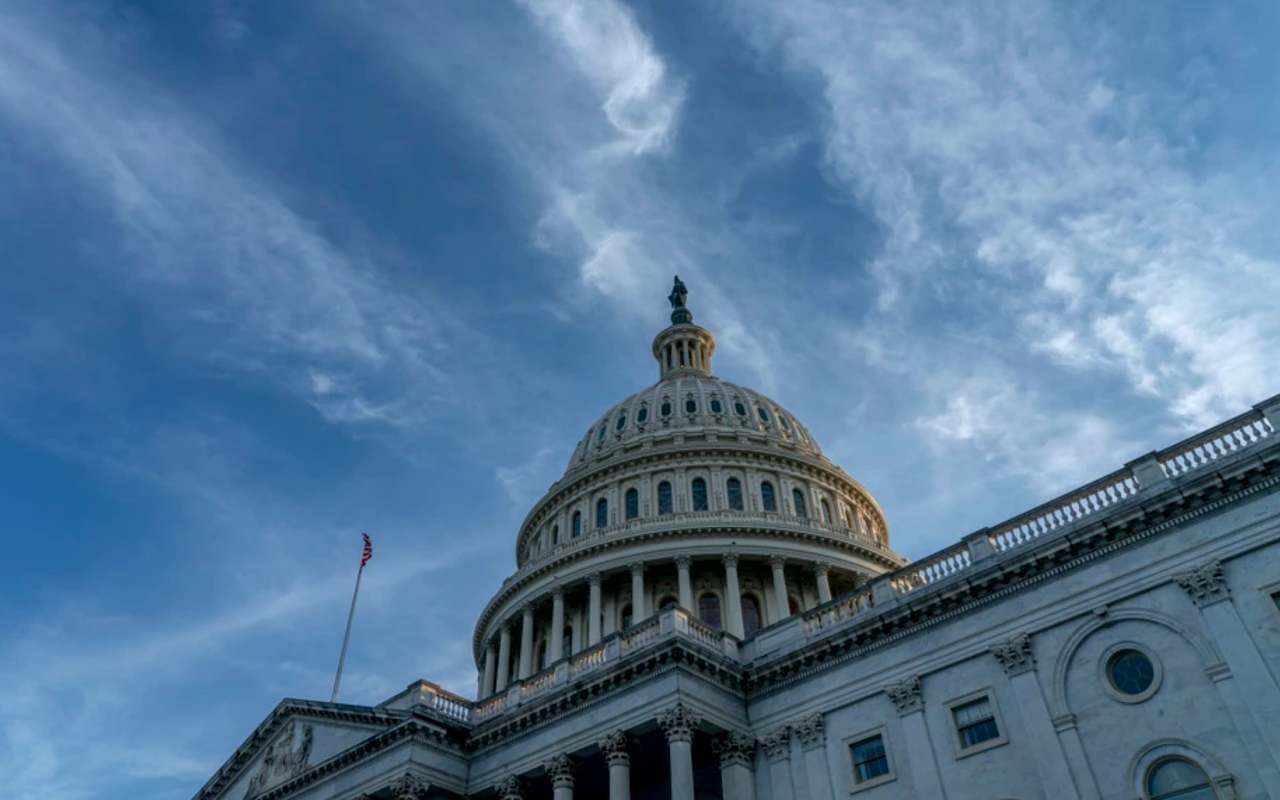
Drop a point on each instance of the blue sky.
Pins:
(276, 273)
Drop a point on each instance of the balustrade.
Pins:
(1204, 448)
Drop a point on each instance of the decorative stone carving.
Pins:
(906, 695)
(1206, 583)
(735, 748)
(1015, 654)
(614, 747)
(409, 787)
(510, 788)
(810, 731)
(777, 745)
(281, 761)
(683, 562)
(560, 770)
(730, 559)
(678, 723)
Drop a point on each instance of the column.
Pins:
(813, 742)
(504, 658)
(637, 593)
(526, 642)
(781, 608)
(593, 610)
(1208, 589)
(510, 789)
(560, 770)
(557, 624)
(678, 724)
(908, 700)
(1019, 662)
(821, 574)
(490, 662)
(733, 594)
(409, 787)
(777, 746)
(683, 563)
(737, 757)
(614, 747)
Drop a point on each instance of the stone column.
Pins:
(733, 595)
(683, 563)
(821, 574)
(614, 747)
(908, 700)
(560, 770)
(409, 787)
(1207, 586)
(737, 758)
(813, 742)
(777, 747)
(1019, 662)
(504, 658)
(557, 625)
(490, 663)
(510, 789)
(637, 593)
(526, 642)
(678, 724)
(781, 606)
(593, 610)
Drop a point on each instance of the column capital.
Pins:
(777, 561)
(777, 744)
(1206, 583)
(1015, 654)
(730, 560)
(509, 788)
(810, 731)
(821, 568)
(735, 748)
(560, 770)
(614, 746)
(594, 579)
(557, 590)
(528, 609)
(636, 566)
(678, 723)
(409, 787)
(906, 695)
(683, 562)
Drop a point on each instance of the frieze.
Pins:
(1206, 584)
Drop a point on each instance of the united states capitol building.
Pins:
(706, 606)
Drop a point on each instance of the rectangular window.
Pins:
(869, 759)
(975, 722)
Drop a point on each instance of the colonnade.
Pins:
(497, 671)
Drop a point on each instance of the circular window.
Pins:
(1130, 673)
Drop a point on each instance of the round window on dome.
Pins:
(665, 409)
(1130, 673)
(764, 415)
(690, 406)
(622, 421)
(603, 430)
(716, 408)
(739, 408)
(642, 414)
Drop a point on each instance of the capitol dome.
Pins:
(694, 492)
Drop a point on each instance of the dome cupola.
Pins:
(684, 348)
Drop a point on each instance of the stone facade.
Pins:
(716, 639)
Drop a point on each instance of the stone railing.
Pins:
(837, 611)
(1069, 508)
(934, 568)
(1204, 448)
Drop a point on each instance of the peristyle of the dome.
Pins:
(694, 492)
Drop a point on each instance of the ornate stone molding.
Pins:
(678, 723)
(560, 770)
(1206, 583)
(683, 562)
(821, 568)
(510, 788)
(409, 787)
(906, 695)
(614, 746)
(777, 745)
(730, 559)
(594, 579)
(1015, 654)
(735, 748)
(777, 561)
(282, 760)
(810, 731)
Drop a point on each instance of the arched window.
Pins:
(633, 503)
(716, 408)
(622, 421)
(555, 535)
(739, 408)
(602, 513)
(797, 499)
(709, 610)
(577, 524)
(786, 426)
(750, 614)
(766, 497)
(604, 428)
(690, 406)
(733, 488)
(566, 649)
(665, 409)
(1178, 778)
(664, 498)
(698, 489)
(826, 511)
(626, 616)
(642, 414)
(764, 415)
(667, 602)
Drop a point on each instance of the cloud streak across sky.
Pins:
(280, 273)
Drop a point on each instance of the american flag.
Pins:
(368, 550)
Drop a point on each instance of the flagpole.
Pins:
(346, 637)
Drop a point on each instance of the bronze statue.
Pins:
(678, 294)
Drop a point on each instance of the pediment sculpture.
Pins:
(282, 761)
